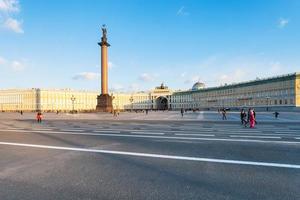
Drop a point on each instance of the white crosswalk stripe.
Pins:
(253, 136)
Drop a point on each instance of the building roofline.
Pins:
(49, 89)
(244, 84)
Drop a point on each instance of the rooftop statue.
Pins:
(162, 87)
(104, 31)
(104, 38)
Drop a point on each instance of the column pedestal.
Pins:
(104, 103)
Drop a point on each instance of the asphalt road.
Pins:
(85, 159)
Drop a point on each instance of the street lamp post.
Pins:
(73, 99)
(268, 103)
(118, 104)
(131, 100)
(114, 104)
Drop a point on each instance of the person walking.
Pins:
(243, 117)
(115, 113)
(182, 111)
(224, 114)
(276, 114)
(248, 115)
(252, 118)
(39, 117)
(254, 113)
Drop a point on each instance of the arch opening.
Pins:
(162, 103)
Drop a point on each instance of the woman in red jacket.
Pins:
(39, 117)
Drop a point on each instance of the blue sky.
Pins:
(53, 43)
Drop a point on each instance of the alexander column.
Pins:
(104, 100)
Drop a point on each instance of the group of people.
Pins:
(249, 117)
(246, 118)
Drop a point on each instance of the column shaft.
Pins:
(104, 70)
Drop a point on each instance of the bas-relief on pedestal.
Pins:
(104, 103)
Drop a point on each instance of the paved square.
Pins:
(135, 157)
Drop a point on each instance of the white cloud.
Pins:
(117, 87)
(17, 66)
(182, 11)
(86, 76)
(275, 68)
(209, 61)
(111, 65)
(2, 61)
(248, 70)
(238, 75)
(134, 87)
(8, 20)
(146, 77)
(14, 25)
(9, 6)
(192, 79)
(282, 22)
(215, 71)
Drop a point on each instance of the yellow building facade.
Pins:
(47, 100)
(17, 99)
(297, 90)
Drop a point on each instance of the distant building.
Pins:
(156, 99)
(280, 93)
(36, 99)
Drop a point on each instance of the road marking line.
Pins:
(158, 137)
(79, 130)
(150, 155)
(171, 131)
(106, 131)
(291, 131)
(143, 132)
(260, 134)
(196, 138)
(263, 134)
(195, 134)
(255, 136)
(16, 128)
(42, 129)
(239, 130)
(30, 131)
(59, 132)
